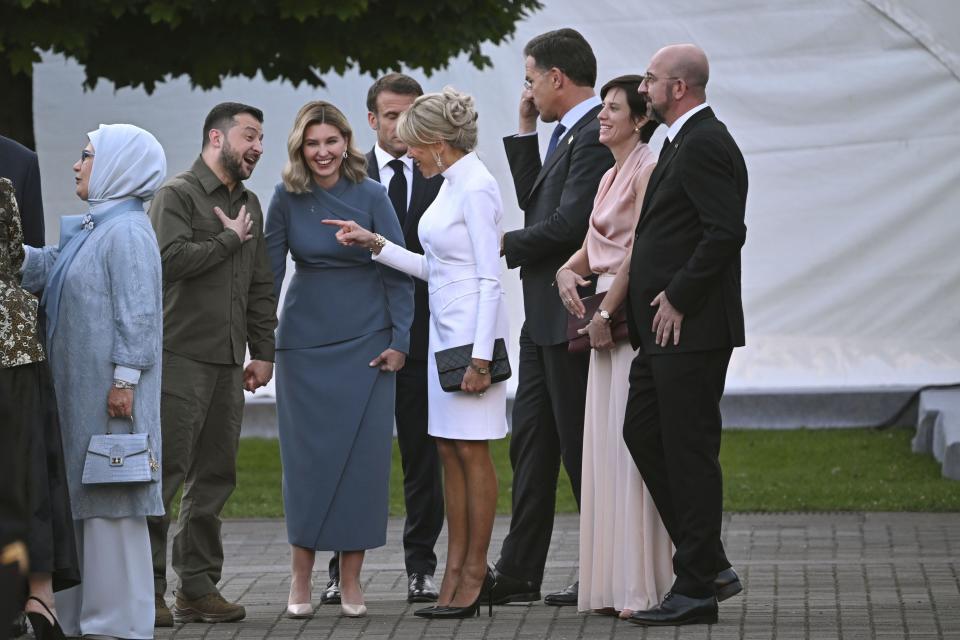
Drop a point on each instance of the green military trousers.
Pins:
(201, 408)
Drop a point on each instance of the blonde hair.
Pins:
(297, 178)
(448, 116)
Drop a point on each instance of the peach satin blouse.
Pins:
(616, 210)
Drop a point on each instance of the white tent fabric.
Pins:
(846, 111)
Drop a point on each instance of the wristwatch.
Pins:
(481, 370)
(603, 313)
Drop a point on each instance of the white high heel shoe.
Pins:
(353, 610)
(300, 611)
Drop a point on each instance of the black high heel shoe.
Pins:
(427, 612)
(43, 629)
(470, 611)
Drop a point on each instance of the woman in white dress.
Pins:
(460, 234)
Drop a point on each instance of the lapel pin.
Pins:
(570, 140)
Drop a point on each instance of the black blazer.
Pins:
(421, 196)
(688, 240)
(20, 166)
(556, 199)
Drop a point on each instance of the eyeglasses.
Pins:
(528, 84)
(85, 154)
(649, 78)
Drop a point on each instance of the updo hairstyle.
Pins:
(448, 116)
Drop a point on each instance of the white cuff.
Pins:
(126, 374)
(27, 249)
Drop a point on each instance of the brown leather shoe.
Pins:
(209, 608)
(162, 617)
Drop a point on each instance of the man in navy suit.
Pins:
(556, 195)
(410, 194)
(20, 166)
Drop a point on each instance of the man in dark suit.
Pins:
(684, 273)
(20, 166)
(410, 194)
(556, 196)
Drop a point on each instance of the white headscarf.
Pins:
(128, 163)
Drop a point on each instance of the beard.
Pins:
(655, 113)
(232, 163)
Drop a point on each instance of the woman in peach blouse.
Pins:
(625, 551)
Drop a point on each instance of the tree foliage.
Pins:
(140, 43)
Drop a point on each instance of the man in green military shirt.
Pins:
(217, 300)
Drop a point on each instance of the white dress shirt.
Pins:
(386, 171)
(682, 120)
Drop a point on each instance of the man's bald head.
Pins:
(676, 81)
(687, 62)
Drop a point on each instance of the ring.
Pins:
(480, 395)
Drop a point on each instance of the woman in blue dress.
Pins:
(343, 333)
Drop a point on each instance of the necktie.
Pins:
(397, 191)
(666, 145)
(554, 139)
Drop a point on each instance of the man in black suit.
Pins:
(556, 196)
(684, 273)
(20, 166)
(410, 194)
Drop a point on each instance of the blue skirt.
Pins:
(335, 418)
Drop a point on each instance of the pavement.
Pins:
(810, 576)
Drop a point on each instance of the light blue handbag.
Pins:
(120, 458)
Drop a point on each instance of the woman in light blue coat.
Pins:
(102, 297)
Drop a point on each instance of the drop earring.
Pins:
(344, 155)
(440, 165)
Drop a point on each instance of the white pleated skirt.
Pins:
(626, 557)
(115, 598)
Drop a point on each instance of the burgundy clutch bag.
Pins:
(577, 343)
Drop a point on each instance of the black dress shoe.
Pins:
(421, 588)
(506, 589)
(331, 595)
(677, 609)
(565, 597)
(727, 584)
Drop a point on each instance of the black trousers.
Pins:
(547, 429)
(422, 484)
(672, 428)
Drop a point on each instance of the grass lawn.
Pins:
(797, 470)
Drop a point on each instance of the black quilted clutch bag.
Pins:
(452, 364)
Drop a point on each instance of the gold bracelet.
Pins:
(379, 242)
